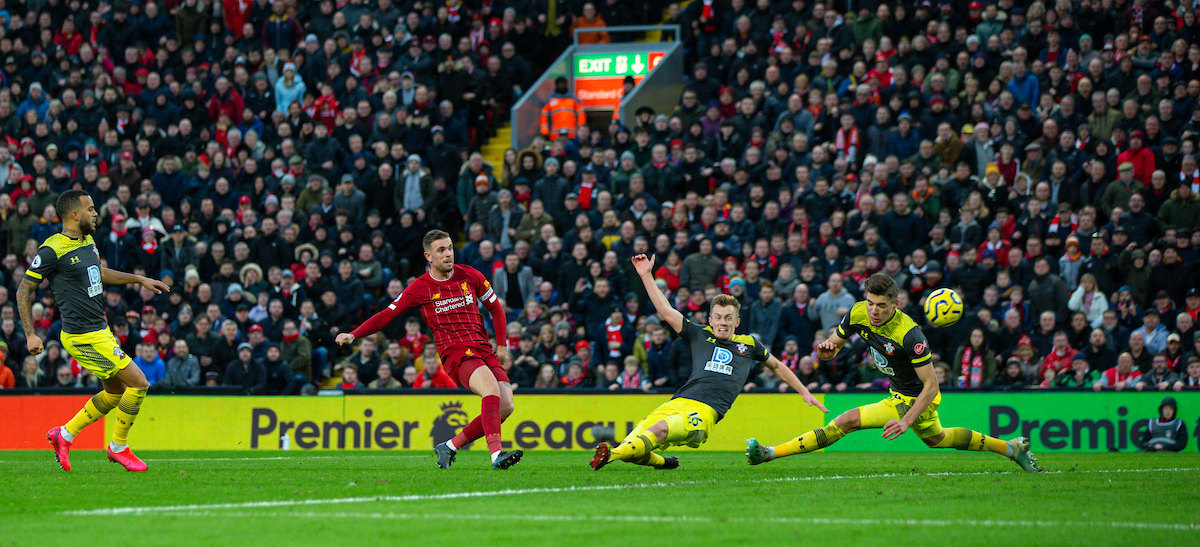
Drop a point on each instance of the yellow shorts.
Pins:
(688, 422)
(98, 351)
(895, 407)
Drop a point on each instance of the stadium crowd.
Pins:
(278, 164)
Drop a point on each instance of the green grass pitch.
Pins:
(374, 498)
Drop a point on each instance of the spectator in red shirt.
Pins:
(1121, 377)
(1060, 355)
(432, 374)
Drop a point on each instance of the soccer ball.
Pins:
(943, 308)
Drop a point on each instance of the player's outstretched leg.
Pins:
(961, 438)
(638, 448)
(61, 437)
(816, 439)
(808, 442)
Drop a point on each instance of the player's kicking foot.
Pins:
(445, 456)
(507, 459)
(1023, 456)
(61, 446)
(603, 452)
(756, 453)
(126, 459)
(669, 462)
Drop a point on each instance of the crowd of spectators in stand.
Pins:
(278, 164)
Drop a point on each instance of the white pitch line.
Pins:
(1133, 525)
(555, 490)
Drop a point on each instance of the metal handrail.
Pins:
(633, 28)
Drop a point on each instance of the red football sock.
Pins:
(474, 430)
(469, 434)
(491, 422)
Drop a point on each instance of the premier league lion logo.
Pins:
(446, 426)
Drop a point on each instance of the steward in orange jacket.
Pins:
(562, 111)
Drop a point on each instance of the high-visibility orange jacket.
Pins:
(562, 113)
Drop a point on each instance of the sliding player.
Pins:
(447, 295)
(899, 350)
(721, 361)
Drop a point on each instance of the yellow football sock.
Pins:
(962, 438)
(637, 448)
(96, 407)
(651, 460)
(127, 411)
(813, 440)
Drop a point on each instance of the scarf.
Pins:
(585, 195)
(150, 247)
(972, 367)
(848, 142)
(631, 382)
(1058, 220)
(291, 338)
(613, 334)
(1194, 179)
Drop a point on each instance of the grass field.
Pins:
(373, 498)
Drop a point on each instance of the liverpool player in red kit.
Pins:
(448, 296)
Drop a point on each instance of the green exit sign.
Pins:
(615, 64)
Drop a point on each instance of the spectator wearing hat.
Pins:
(350, 198)
(1152, 330)
(1134, 271)
(1118, 192)
(178, 251)
(1165, 433)
(1181, 210)
(246, 372)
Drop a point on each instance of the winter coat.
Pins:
(1094, 313)
(1177, 213)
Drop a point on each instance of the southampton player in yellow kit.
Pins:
(71, 263)
(899, 350)
(721, 361)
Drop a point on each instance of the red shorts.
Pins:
(461, 362)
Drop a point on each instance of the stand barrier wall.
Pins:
(1054, 421)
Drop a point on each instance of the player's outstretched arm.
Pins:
(373, 324)
(789, 378)
(645, 270)
(114, 277)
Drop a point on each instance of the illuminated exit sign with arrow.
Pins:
(599, 78)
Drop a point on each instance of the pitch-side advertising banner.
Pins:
(1054, 422)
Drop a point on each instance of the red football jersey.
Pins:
(451, 307)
